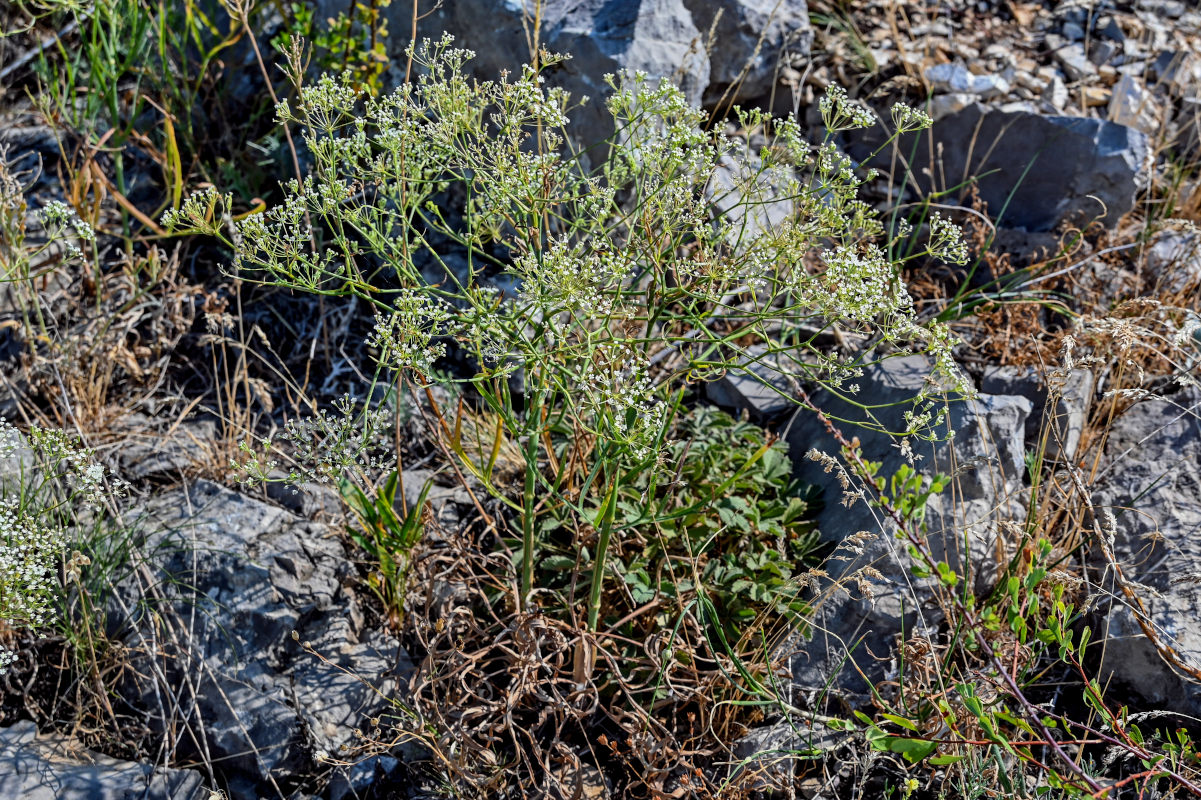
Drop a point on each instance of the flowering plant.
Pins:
(609, 291)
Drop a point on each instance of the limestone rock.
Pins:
(1152, 487)
(52, 767)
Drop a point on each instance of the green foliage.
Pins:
(354, 45)
(732, 522)
(135, 76)
(386, 537)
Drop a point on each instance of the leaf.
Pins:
(912, 750)
(942, 761)
(896, 719)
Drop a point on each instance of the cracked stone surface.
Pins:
(228, 580)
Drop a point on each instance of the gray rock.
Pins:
(942, 105)
(1062, 422)
(986, 457)
(958, 78)
(771, 754)
(1134, 106)
(34, 767)
(1109, 28)
(1074, 62)
(1035, 171)
(657, 37)
(146, 454)
(233, 578)
(746, 195)
(447, 503)
(761, 387)
(1102, 51)
(1174, 257)
(1072, 31)
(1152, 486)
(750, 39)
(664, 38)
(1171, 9)
(315, 501)
(1056, 93)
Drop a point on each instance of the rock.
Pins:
(1102, 52)
(942, 105)
(1109, 28)
(315, 501)
(1035, 172)
(987, 457)
(1056, 93)
(958, 78)
(1152, 486)
(1135, 107)
(1174, 257)
(149, 455)
(769, 755)
(1065, 422)
(750, 38)
(749, 197)
(1074, 62)
(233, 578)
(446, 503)
(664, 38)
(356, 781)
(1171, 9)
(1178, 71)
(1072, 31)
(34, 767)
(1094, 96)
(761, 387)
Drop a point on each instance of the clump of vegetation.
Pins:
(550, 319)
(630, 288)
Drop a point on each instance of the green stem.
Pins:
(602, 549)
(528, 500)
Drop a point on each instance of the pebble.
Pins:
(1102, 51)
(1075, 63)
(1056, 93)
(1093, 96)
(1133, 106)
(1172, 9)
(942, 105)
(1073, 32)
(1109, 28)
(958, 78)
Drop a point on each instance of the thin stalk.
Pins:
(529, 500)
(602, 549)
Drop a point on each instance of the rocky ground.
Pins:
(254, 657)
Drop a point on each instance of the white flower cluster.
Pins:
(203, 212)
(405, 338)
(89, 482)
(907, 119)
(327, 447)
(572, 277)
(859, 284)
(10, 440)
(946, 240)
(29, 557)
(840, 113)
(60, 222)
(57, 217)
(618, 391)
